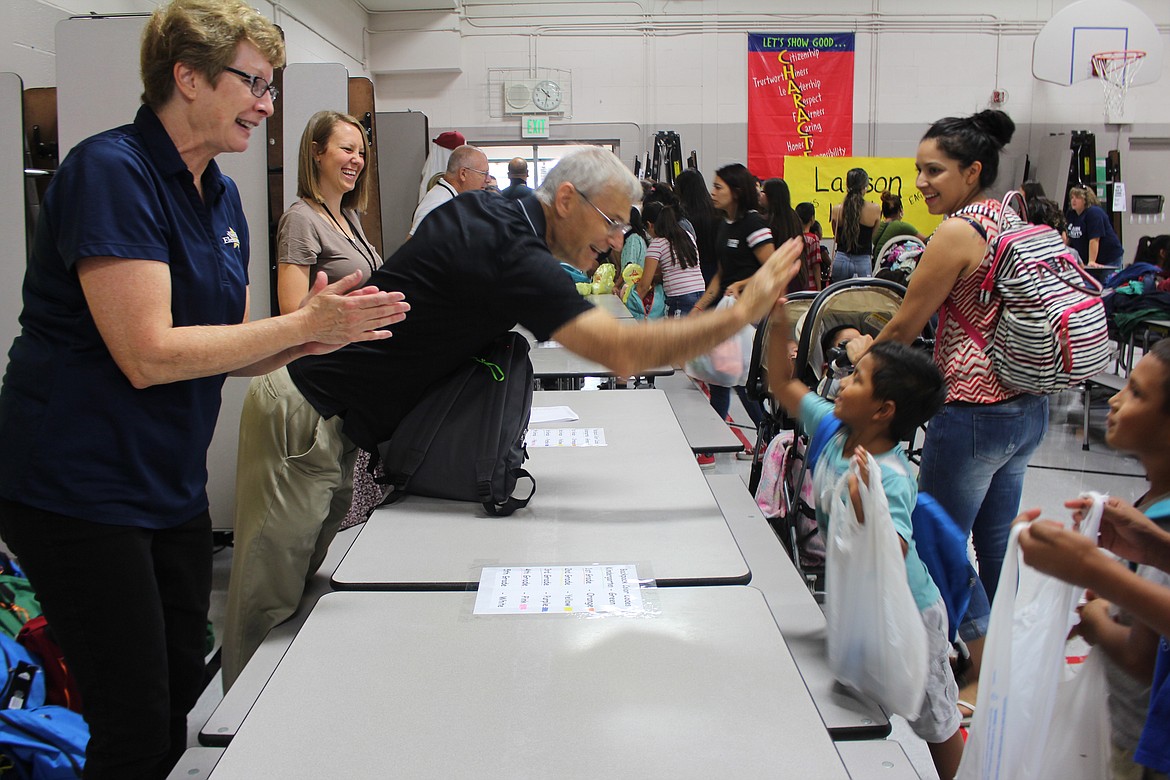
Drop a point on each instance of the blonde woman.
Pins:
(1090, 231)
(322, 231)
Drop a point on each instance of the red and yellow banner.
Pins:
(800, 98)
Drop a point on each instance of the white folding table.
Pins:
(381, 684)
(640, 499)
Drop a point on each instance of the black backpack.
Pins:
(465, 439)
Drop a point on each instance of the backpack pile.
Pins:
(40, 738)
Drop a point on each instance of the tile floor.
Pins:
(1059, 470)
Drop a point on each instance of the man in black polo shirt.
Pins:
(477, 266)
(518, 179)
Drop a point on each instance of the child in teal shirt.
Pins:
(893, 390)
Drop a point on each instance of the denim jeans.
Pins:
(681, 305)
(848, 266)
(973, 462)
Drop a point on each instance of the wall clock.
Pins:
(547, 95)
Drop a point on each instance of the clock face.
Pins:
(547, 95)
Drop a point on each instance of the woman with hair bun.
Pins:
(977, 448)
(853, 223)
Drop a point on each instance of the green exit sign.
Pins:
(534, 127)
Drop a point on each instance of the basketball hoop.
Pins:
(1116, 69)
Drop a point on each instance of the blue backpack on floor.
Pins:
(37, 741)
(43, 743)
(941, 545)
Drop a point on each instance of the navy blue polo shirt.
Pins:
(476, 267)
(1092, 223)
(77, 438)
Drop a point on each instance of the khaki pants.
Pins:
(293, 488)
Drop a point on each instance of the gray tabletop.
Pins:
(612, 304)
(704, 430)
(414, 685)
(552, 361)
(641, 499)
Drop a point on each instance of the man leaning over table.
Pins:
(477, 266)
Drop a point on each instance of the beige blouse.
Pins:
(308, 237)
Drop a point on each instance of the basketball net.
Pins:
(1116, 70)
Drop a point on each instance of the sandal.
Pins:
(965, 717)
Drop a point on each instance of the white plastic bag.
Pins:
(1023, 668)
(877, 641)
(727, 364)
(1079, 740)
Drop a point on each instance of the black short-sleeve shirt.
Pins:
(736, 247)
(477, 266)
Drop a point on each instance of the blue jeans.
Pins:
(973, 462)
(681, 305)
(848, 266)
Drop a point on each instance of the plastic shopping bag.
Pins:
(727, 364)
(1023, 668)
(877, 641)
(1080, 738)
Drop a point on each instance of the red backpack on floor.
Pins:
(60, 687)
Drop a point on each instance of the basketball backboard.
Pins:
(1065, 45)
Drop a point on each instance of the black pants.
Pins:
(129, 608)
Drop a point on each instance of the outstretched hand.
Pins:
(338, 314)
(770, 282)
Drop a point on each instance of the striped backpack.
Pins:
(1051, 330)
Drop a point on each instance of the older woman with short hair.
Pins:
(135, 311)
(1090, 230)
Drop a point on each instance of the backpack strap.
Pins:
(949, 310)
(513, 503)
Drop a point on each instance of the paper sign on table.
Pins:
(558, 590)
(547, 414)
(565, 437)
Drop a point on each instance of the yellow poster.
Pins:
(821, 181)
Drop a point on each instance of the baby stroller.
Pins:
(866, 304)
(898, 258)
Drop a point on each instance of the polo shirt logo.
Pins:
(733, 242)
(231, 238)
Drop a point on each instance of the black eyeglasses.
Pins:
(258, 84)
(615, 227)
